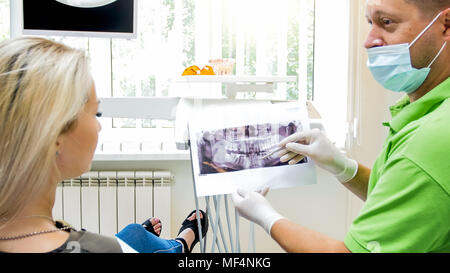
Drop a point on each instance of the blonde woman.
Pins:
(48, 133)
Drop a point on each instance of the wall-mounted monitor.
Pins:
(85, 18)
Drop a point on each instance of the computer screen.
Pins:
(86, 18)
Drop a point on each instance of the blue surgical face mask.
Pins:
(391, 66)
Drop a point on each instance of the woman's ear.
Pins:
(57, 148)
(59, 140)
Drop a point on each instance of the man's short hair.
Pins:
(430, 8)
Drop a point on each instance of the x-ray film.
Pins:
(231, 147)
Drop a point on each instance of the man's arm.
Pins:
(294, 238)
(290, 236)
(359, 184)
(298, 239)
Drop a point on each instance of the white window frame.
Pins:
(331, 67)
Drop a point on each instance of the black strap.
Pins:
(186, 248)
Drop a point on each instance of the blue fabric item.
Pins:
(391, 67)
(142, 241)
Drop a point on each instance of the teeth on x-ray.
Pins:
(241, 148)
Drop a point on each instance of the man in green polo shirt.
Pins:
(407, 192)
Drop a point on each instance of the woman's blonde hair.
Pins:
(44, 86)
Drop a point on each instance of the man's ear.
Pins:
(447, 23)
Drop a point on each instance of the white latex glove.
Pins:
(315, 145)
(254, 207)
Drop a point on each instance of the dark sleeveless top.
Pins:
(86, 242)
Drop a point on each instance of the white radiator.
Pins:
(104, 202)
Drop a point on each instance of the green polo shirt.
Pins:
(408, 200)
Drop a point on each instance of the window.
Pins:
(265, 37)
(4, 19)
(275, 39)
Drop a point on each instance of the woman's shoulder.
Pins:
(87, 242)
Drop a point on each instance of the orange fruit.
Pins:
(207, 70)
(191, 70)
